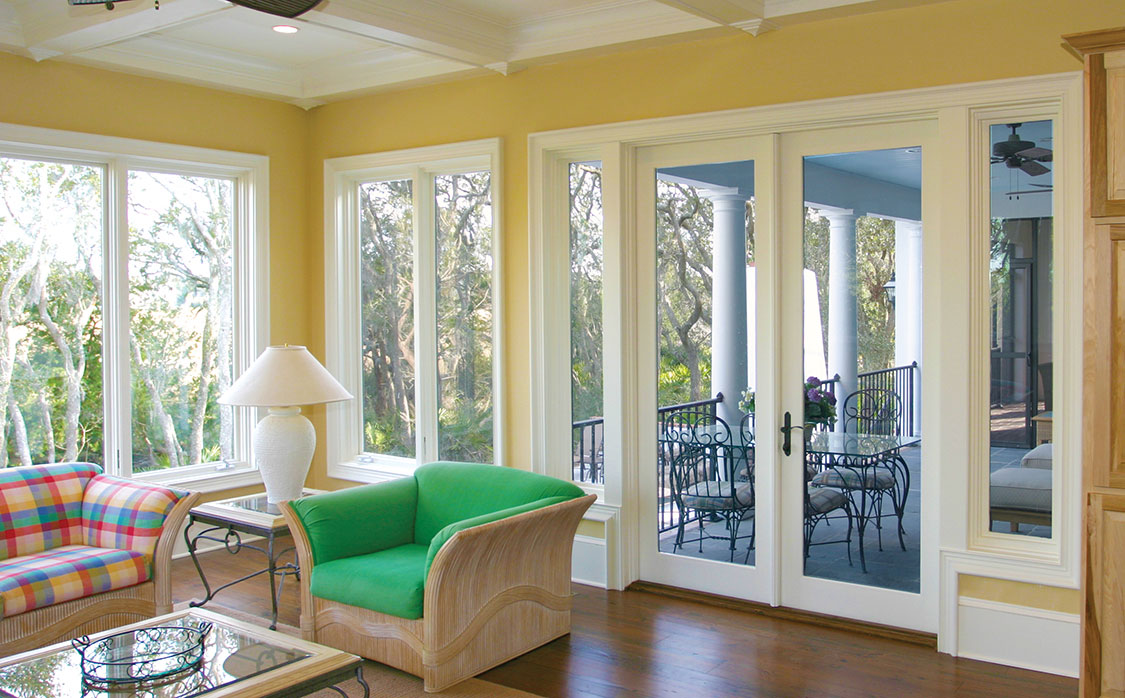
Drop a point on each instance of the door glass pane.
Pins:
(862, 350)
(705, 311)
(181, 321)
(386, 263)
(587, 265)
(464, 316)
(1021, 413)
(51, 316)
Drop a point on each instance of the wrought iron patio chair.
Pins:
(875, 411)
(704, 465)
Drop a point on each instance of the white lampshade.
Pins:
(284, 376)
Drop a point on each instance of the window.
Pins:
(1021, 328)
(587, 269)
(412, 308)
(127, 316)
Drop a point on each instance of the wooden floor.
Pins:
(637, 643)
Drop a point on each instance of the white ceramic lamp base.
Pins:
(283, 446)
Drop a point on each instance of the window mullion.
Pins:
(115, 333)
(425, 316)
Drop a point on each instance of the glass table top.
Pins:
(832, 443)
(258, 503)
(229, 656)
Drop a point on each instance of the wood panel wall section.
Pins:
(1103, 373)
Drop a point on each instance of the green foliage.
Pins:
(180, 322)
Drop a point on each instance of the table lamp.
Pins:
(283, 378)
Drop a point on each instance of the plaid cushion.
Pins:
(125, 514)
(66, 573)
(41, 507)
(848, 479)
(823, 500)
(714, 494)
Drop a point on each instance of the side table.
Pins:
(251, 515)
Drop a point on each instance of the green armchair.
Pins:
(444, 574)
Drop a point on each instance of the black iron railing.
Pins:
(900, 380)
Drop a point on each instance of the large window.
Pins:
(123, 318)
(412, 247)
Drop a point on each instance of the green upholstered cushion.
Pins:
(359, 520)
(446, 533)
(452, 492)
(389, 581)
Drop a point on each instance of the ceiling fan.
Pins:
(281, 8)
(1016, 153)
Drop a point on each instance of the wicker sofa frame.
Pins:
(98, 612)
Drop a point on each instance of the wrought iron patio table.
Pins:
(855, 460)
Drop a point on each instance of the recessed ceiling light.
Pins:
(285, 29)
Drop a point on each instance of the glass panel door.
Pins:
(703, 523)
(856, 540)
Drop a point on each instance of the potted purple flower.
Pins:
(820, 405)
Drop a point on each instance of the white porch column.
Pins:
(728, 306)
(908, 305)
(842, 335)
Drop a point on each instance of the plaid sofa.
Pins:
(81, 551)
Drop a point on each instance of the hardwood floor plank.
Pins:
(638, 643)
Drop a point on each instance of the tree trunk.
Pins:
(167, 428)
(19, 431)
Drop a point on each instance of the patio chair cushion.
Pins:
(391, 581)
(1028, 489)
(716, 495)
(65, 573)
(125, 514)
(823, 500)
(1039, 457)
(41, 507)
(848, 479)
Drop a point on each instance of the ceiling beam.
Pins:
(420, 25)
(52, 28)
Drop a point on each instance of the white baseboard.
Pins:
(1028, 638)
(589, 563)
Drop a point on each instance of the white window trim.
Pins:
(251, 281)
(963, 499)
(1067, 325)
(344, 433)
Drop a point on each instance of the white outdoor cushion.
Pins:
(1021, 488)
(1038, 457)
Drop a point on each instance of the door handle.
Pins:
(787, 431)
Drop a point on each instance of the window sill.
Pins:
(204, 480)
(371, 472)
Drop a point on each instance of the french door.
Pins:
(783, 272)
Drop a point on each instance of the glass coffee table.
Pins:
(239, 659)
(251, 515)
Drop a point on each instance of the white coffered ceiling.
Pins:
(345, 47)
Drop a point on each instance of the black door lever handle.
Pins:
(787, 431)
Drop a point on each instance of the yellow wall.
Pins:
(952, 42)
(1021, 594)
(76, 98)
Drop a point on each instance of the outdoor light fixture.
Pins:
(889, 287)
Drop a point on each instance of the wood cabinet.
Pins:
(1103, 409)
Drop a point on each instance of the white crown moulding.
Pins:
(756, 26)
